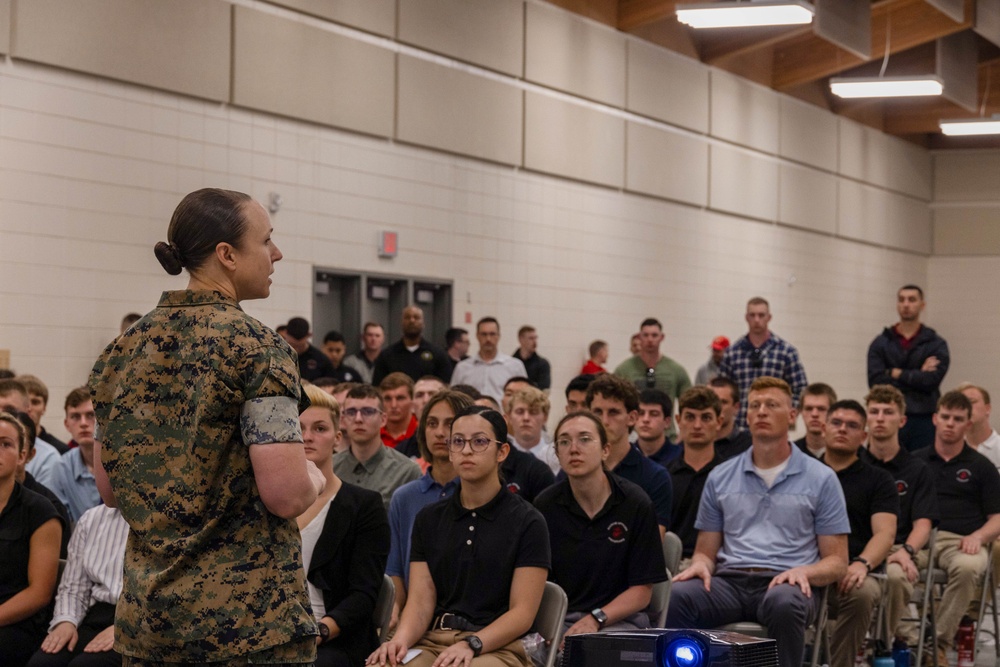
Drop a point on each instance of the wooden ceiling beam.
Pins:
(633, 14)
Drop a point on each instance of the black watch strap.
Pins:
(475, 643)
(863, 561)
(910, 550)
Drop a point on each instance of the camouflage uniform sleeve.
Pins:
(273, 398)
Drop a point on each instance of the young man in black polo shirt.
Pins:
(968, 492)
(814, 406)
(918, 509)
(731, 440)
(872, 507)
(615, 401)
(478, 563)
(412, 355)
(652, 425)
(313, 363)
(698, 420)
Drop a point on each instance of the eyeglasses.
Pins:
(850, 426)
(757, 357)
(650, 378)
(367, 413)
(479, 443)
(583, 440)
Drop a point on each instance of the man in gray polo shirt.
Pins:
(489, 370)
(367, 462)
(772, 526)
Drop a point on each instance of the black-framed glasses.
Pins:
(650, 378)
(757, 357)
(366, 412)
(479, 443)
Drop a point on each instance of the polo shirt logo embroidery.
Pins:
(902, 486)
(311, 364)
(963, 475)
(427, 355)
(616, 532)
(514, 487)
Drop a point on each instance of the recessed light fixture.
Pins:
(968, 127)
(895, 86)
(745, 14)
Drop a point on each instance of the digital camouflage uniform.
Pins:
(210, 574)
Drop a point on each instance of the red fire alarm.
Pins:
(388, 244)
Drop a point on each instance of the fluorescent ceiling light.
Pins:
(898, 86)
(965, 127)
(745, 14)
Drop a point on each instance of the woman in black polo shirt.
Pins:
(478, 562)
(599, 523)
(30, 533)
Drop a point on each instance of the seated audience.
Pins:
(527, 412)
(313, 363)
(698, 421)
(73, 480)
(981, 435)
(43, 462)
(30, 532)
(38, 396)
(511, 387)
(478, 563)
(335, 347)
(598, 351)
(872, 508)
(576, 392)
(814, 404)
(367, 462)
(345, 542)
(423, 389)
(731, 440)
(397, 397)
(652, 424)
(82, 630)
(523, 474)
(438, 483)
(599, 523)
(773, 528)
(615, 401)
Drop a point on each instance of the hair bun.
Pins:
(169, 257)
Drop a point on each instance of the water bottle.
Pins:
(883, 659)
(534, 648)
(900, 653)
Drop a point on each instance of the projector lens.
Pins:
(684, 652)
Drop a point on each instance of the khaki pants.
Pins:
(852, 622)
(898, 593)
(434, 642)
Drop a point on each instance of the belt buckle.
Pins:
(442, 621)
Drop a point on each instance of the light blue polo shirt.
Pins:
(772, 528)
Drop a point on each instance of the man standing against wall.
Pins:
(914, 359)
(651, 370)
(413, 355)
(761, 353)
(489, 370)
(539, 370)
(363, 361)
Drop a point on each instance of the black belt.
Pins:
(455, 622)
(753, 570)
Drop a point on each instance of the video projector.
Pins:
(669, 648)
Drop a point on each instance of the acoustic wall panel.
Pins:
(862, 212)
(490, 33)
(910, 168)
(458, 112)
(4, 26)
(377, 16)
(569, 53)
(743, 112)
(667, 86)
(967, 230)
(666, 164)
(909, 224)
(181, 45)
(743, 184)
(297, 70)
(570, 140)
(808, 134)
(808, 198)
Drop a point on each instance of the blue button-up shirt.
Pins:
(406, 502)
(75, 484)
(773, 527)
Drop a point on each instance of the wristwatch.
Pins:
(910, 550)
(476, 644)
(863, 561)
(324, 632)
(600, 617)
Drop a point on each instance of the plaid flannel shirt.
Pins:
(776, 358)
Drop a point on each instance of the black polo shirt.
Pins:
(651, 478)
(688, 485)
(915, 487)
(594, 560)
(24, 513)
(733, 445)
(427, 359)
(472, 554)
(968, 488)
(538, 369)
(868, 491)
(313, 364)
(801, 444)
(32, 484)
(525, 475)
(667, 453)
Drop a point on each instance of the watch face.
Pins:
(599, 616)
(324, 630)
(475, 644)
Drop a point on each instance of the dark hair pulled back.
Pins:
(204, 219)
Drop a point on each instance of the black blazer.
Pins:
(347, 567)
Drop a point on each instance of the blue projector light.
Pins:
(684, 652)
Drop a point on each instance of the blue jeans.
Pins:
(741, 596)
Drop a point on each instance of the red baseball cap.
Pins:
(720, 343)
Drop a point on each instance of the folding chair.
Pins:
(383, 607)
(549, 619)
(817, 631)
(660, 599)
